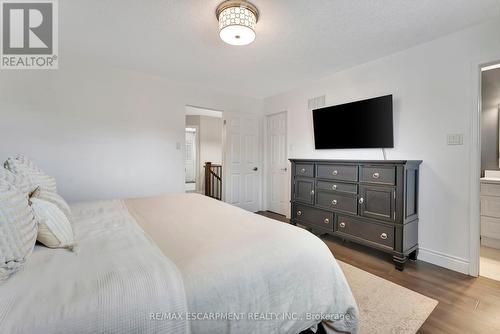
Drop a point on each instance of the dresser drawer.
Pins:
(379, 234)
(337, 201)
(337, 172)
(378, 174)
(306, 170)
(337, 186)
(312, 216)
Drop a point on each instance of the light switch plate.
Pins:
(455, 139)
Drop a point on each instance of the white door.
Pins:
(242, 162)
(190, 155)
(277, 176)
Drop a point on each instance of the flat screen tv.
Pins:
(360, 124)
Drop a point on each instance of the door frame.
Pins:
(266, 175)
(475, 163)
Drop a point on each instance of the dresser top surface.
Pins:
(418, 162)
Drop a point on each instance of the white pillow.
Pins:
(21, 183)
(54, 228)
(35, 179)
(24, 167)
(18, 229)
(56, 199)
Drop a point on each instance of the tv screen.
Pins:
(360, 124)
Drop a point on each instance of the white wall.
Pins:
(433, 88)
(103, 133)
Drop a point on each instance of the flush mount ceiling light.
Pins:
(237, 20)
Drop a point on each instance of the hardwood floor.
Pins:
(466, 304)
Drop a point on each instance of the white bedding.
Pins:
(234, 261)
(207, 258)
(111, 283)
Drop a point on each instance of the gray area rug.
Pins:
(386, 307)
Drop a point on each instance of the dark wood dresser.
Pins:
(374, 203)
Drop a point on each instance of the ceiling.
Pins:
(297, 40)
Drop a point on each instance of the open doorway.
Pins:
(489, 264)
(204, 146)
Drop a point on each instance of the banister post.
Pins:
(208, 168)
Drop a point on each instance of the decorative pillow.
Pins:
(56, 199)
(18, 229)
(36, 177)
(22, 184)
(54, 228)
(26, 162)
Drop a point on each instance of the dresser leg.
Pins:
(399, 262)
(413, 255)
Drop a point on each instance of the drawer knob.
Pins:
(361, 200)
(312, 192)
(376, 175)
(334, 202)
(383, 236)
(342, 225)
(327, 221)
(335, 172)
(299, 213)
(303, 170)
(334, 187)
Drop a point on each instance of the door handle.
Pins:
(284, 169)
(255, 169)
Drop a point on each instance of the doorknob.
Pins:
(255, 169)
(284, 169)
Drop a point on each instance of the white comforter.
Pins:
(237, 263)
(208, 259)
(111, 283)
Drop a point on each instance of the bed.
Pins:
(178, 264)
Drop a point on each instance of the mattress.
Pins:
(244, 273)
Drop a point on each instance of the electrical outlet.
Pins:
(455, 139)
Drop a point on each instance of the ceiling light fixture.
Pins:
(237, 20)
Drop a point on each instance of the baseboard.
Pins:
(492, 243)
(443, 260)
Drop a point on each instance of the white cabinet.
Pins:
(490, 210)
